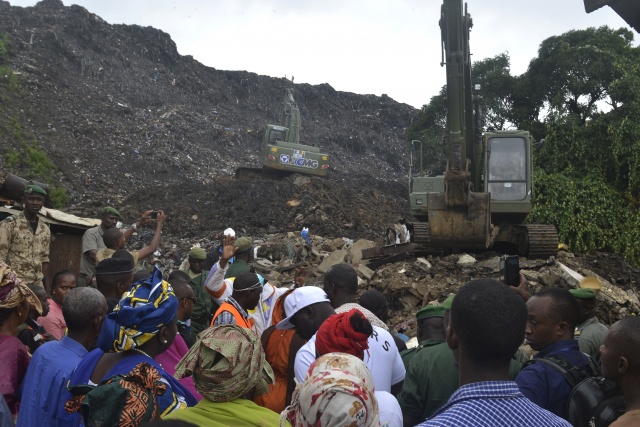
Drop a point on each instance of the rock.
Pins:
(331, 245)
(355, 251)
(466, 261)
(550, 278)
(365, 271)
(422, 264)
(334, 258)
(263, 264)
(301, 180)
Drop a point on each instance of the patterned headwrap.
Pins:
(338, 391)
(227, 362)
(148, 306)
(13, 291)
(123, 400)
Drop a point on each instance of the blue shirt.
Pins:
(492, 404)
(46, 379)
(543, 384)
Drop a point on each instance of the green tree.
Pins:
(496, 89)
(573, 72)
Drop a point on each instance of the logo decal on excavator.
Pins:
(298, 159)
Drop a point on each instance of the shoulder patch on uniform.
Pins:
(9, 219)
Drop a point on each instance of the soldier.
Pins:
(590, 332)
(430, 320)
(24, 239)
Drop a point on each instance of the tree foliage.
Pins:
(582, 95)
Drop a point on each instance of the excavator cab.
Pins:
(507, 175)
(276, 134)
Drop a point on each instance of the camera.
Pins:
(510, 270)
(154, 215)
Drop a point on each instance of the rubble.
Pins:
(413, 283)
(129, 122)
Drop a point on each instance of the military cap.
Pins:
(583, 293)
(430, 311)
(447, 303)
(111, 211)
(243, 244)
(114, 266)
(197, 253)
(34, 189)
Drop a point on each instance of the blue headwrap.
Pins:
(148, 306)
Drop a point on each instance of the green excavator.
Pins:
(282, 153)
(482, 200)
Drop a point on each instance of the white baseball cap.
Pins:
(229, 232)
(299, 299)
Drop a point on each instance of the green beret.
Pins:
(197, 253)
(243, 244)
(447, 303)
(583, 293)
(34, 189)
(430, 311)
(111, 211)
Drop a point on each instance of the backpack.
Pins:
(594, 401)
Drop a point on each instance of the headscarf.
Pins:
(148, 306)
(337, 334)
(338, 391)
(13, 291)
(227, 362)
(124, 400)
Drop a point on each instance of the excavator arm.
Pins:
(459, 216)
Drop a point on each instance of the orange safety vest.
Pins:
(240, 321)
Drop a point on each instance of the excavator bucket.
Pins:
(465, 226)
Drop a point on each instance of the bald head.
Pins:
(81, 306)
(181, 289)
(111, 237)
(246, 281)
(341, 284)
(625, 340)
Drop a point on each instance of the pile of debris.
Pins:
(410, 284)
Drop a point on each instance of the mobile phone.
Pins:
(154, 215)
(510, 269)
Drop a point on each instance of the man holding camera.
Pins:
(115, 239)
(92, 240)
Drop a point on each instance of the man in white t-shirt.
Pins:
(307, 307)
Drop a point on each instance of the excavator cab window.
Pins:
(507, 168)
(276, 136)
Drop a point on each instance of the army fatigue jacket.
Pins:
(24, 250)
(408, 354)
(204, 306)
(590, 335)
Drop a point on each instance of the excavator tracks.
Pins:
(541, 241)
(421, 234)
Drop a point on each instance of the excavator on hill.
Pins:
(282, 153)
(484, 196)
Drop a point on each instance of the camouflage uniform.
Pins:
(23, 250)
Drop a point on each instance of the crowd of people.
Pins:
(216, 344)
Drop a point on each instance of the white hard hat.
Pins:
(229, 232)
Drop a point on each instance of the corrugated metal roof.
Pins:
(629, 10)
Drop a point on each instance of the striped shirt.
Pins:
(492, 404)
(227, 318)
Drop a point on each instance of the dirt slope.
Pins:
(130, 122)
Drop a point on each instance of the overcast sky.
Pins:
(363, 46)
